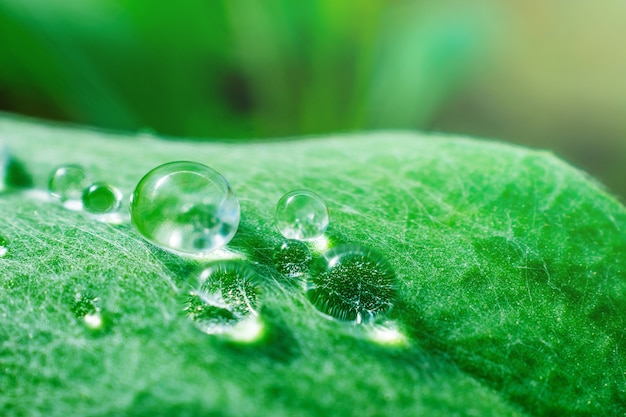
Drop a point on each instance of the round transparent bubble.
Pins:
(101, 198)
(352, 283)
(301, 215)
(292, 258)
(67, 182)
(185, 207)
(221, 295)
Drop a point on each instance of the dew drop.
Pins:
(292, 258)
(301, 215)
(4, 246)
(185, 207)
(86, 307)
(352, 283)
(222, 295)
(67, 183)
(101, 198)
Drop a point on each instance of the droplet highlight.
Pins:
(221, 296)
(185, 207)
(302, 215)
(101, 198)
(4, 246)
(67, 183)
(292, 258)
(352, 283)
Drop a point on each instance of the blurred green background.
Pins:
(545, 74)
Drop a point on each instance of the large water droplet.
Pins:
(4, 246)
(86, 307)
(67, 183)
(352, 283)
(101, 198)
(221, 295)
(292, 258)
(301, 215)
(185, 207)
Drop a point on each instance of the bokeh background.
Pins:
(548, 74)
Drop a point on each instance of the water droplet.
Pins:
(292, 258)
(86, 307)
(221, 295)
(352, 283)
(101, 198)
(301, 215)
(67, 183)
(185, 207)
(4, 246)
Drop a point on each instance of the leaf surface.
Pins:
(511, 298)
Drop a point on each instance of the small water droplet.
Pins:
(352, 283)
(185, 207)
(86, 307)
(101, 198)
(301, 215)
(222, 295)
(292, 258)
(67, 183)
(4, 246)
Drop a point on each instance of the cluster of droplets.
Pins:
(71, 185)
(190, 209)
(349, 282)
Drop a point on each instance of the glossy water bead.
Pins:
(292, 258)
(352, 283)
(221, 294)
(67, 182)
(185, 207)
(102, 198)
(301, 215)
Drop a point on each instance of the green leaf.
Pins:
(511, 298)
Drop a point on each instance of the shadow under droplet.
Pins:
(277, 343)
(16, 175)
(179, 267)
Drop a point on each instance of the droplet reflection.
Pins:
(185, 207)
(352, 283)
(221, 296)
